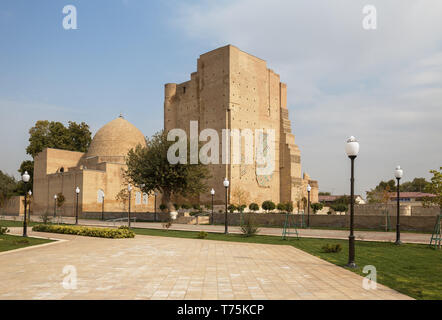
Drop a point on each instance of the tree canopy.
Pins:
(52, 134)
(377, 194)
(435, 187)
(149, 169)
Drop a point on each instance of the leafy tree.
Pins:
(289, 206)
(149, 167)
(45, 134)
(8, 187)
(316, 206)
(280, 207)
(268, 205)
(435, 187)
(417, 185)
(339, 207)
(254, 207)
(240, 197)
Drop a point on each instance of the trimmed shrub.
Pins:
(163, 207)
(121, 232)
(254, 206)
(268, 205)
(232, 208)
(241, 207)
(197, 207)
(202, 235)
(281, 207)
(176, 205)
(332, 248)
(289, 206)
(185, 206)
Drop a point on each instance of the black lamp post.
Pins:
(212, 193)
(25, 177)
(55, 205)
(398, 173)
(102, 207)
(309, 188)
(155, 207)
(77, 192)
(226, 223)
(129, 188)
(29, 205)
(352, 150)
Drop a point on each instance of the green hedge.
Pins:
(122, 232)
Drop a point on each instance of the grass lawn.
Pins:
(412, 269)
(9, 242)
(12, 223)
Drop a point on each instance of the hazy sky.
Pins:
(383, 86)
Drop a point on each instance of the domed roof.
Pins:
(115, 139)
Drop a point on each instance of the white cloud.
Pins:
(384, 85)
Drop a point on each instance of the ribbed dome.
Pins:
(115, 139)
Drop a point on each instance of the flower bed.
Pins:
(122, 232)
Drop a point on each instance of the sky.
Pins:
(383, 85)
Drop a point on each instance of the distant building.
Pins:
(98, 173)
(330, 199)
(413, 198)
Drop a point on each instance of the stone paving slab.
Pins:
(171, 268)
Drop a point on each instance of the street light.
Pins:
(155, 207)
(226, 186)
(352, 150)
(129, 188)
(55, 205)
(398, 173)
(309, 188)
(77, 192)
(25, 177)
(212, 192)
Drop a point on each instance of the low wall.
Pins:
(140, 216)
(406, 210)
(409, 223)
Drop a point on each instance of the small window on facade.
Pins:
(137, 197)
(145, 198)
(184, 89)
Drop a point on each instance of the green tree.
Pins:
(417, 185)
(289, 206)
(8, 187)
(254, 207)
(51, 134)
(149, 167)
(281, 207)
(316, 206)
(268, 205)
(434, 187)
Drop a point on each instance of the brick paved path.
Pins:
(170, 268)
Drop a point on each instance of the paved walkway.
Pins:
(169, 268)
